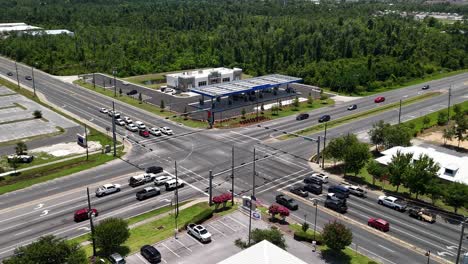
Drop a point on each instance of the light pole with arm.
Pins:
(34, 84)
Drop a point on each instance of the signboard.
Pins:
(81, 140)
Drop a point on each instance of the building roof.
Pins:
(202, 72)
(452, 168)
(18, 27)
(51, 32)
(263, 253)
(246, 85)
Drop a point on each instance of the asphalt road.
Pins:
(197, 152)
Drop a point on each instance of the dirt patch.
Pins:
(436, 137)
(65, 149)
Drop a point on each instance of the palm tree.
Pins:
(21, 148)
(447, 135)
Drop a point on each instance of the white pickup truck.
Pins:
(392, 202)
(199, 232)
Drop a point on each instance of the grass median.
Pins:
(358, 116)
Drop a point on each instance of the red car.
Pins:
(83, 214)
(379, 99)
(144, 133)
(379, 224)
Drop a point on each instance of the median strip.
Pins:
(358, 116)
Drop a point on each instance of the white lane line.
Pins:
(183, 245)
(389, 261)
(141, 258)
(170, 250)
(128, 198)
(275, 186)
(236, 221)
(17, 234)
(196, 240)
(227, 226)
(245, 136)
(191, 185)
(216, 230)
(384, 247)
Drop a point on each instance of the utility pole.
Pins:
(461, 239)
(428, 255)
(113, 129)
(94, 80)
(252, 198)
(232, 177)
(399, 114)
(318, 150)
(211, 188)
(176, 198)
(324, 144)
(34, 84)
(86, 139)
(448, 108)
(17, 76)
(90, 216)
(115, 84)
(315, 222)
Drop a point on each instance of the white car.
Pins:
(155, 131)
(356, 190)
(199, 232)
(321, 176)
(127, 120)
(120, 122)
(103, 110)
(140, 125)
(107, 189)
(166, 130)
(162, 179)
(131, 127)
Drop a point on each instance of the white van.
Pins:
(141, 179)
(172, 184)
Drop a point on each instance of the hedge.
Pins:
(308, 237)
(201, 217)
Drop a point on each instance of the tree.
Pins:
(262, 108)
(442, 118)
(456, 195)
(49, 249)
(296, 102)
(110, 234)
(398, 135)
(434, 189)
(37, 114)
(310, 100)
(21, 148)
(398, 168)
(162, 106)
(448, 134)
(272, 235)
(185, 113)
(334, 149)
(140, 98)
(420, 173)
(376, 170)
(355, 154)
(426, 121)
(305, 227)
(120, 91)
(243, 113)
(461, 126)
(274, 109)
(377, 133)
(337, 236)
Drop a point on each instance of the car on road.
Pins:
(392, 202)
(173, 184)
(422, 214)
(425, 87)
(155, 131)
(127, 120)
(20, 158)
(302, 116)
(83, 214)
(116, 258)
(154, 169)
(166, 130)
(144, 133)
(313, 188)
(320, 176)
(141, 179)
(379, 99)
(140, 125)
(356, 190)
(27, 77)
(299, 190)
(313, 180)
(131, 127)
(324, 118)
(125, 83)
(199, 232)
(379, 224)
(132, 92)
(119, 122)
(112, 113)
(339, 189)
(9, 73)
(107, 189)
(160, 180)
(103, 110)
(287, 202)
(338, 205)
(147, 192)
(336, 196)
(151, 254)
(352, 107)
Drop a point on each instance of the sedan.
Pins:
(119, 122)
(107, 189)
(132, 92)
(379, 224)
(324, 118)
(299, 190)
(103, 110)
(379, 99)
(155, 131)
(131, 127)
(144, 133)
(10, 74)
(166, 130)
(425, 87)
(352, 107)
(29, 78)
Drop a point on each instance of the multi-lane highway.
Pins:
(49, 207)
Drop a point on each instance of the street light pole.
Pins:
(315, 222)
(232, 177)
(428, 254)
(113, 129)
(324, 145)
(461, 239)
(399, 114)
(211, 188)
(17, 76)
(90, 216)
(115, 84)
(318, 150)
(252, 198)
(86, 139)
(448, 108)
(176, 194)
(34, 84)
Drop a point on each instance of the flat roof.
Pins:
(203, 72)
(246, 85)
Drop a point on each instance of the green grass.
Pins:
(39, 158)
(354, 117)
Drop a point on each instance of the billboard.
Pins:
(81, 140)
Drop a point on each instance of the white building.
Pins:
(51, 32)
(15, 27)
(452, 168)
(184, 81)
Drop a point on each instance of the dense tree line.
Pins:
(346, 46)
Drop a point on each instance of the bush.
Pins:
(201, 217)
(308, 237)
(37, 114)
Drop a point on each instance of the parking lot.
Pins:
(224, 230)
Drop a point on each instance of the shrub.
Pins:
(222, 199)
(201, 217)
(308, 237)
(37, 114)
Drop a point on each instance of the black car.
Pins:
(287, 202)
(313, 188)
(339, 189)
(425, 87)
(313, 180)
(154, 169)
(324, 118)
(336, 205)
(299, 190)
(151, 254)
(29, 78)
(132, 92)
(10, 74)
(302, 116)
(352, 107)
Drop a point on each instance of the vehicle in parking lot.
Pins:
(160, 180)
(103, 110)
(155, 131)
(132, 92)
(379, 99)
(392, 202)
(352, 107)
(20, 158)
(356, 190)
(116, 258)
(422, 214)
(338, 205)
(299, 190)
(154, 169)
(339, 189)
(324, 118)
(120, 122)
(144, 133)
(140, 125)
(166, 130)
(107, 189)
(83, 214)
(131, 127)
(287, 202)
(313, 188)
(127, 120)
(141, 179)
(425, 87)
(379, 224)
(151, 254)
(9, 73)
(199, 232)
(147, 193)
(27, 77)
(173, 184)
(302, 116)
(320, 176)
(313, 180)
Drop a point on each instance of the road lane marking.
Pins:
(227, 226)
(236, 221)
(170, 249)
(216, 230)
(17, 234)
(384, 247)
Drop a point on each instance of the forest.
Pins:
(348, 47)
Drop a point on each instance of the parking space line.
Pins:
(170, 250)
(216, 230)
(141, 258)
(227, 226)
(198, 242)
(164, 260)
(183, 245)
(236, 221)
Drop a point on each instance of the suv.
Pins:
(425, 87)
(132, 92)
(83, 214)
(302, 116)
(107, 189)
(173, 184)
(422, 214)
(324, 118)
(154, 169)
(339, 189)
(116, 258)
(287, 202)
(141, 179)
(140, 125)
(131, 127)
(379, 224)
(147, 193)
(151, 254)
(313, 188)
(338, 205)
(313, 180)
(162, 179)
(299, 190)
(392, 202)
(320, 176)
(355, 190)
